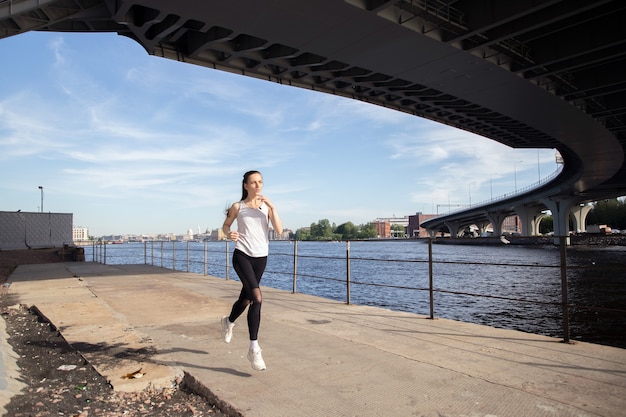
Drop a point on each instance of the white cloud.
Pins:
(123, 139)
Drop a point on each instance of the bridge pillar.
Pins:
(497, 218)
(560, 208)
(482, 227)
(530, 218)
(579, 214)
(454, 228)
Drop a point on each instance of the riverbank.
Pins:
(575, 240)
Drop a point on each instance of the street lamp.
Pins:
(538, 168)
(41, 188)
(515, 173)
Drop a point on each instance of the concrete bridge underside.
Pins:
(528, 73)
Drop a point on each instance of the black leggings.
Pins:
(250, 270)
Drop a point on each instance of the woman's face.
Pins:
(254, 185)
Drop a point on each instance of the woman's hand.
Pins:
(273, 214)
(266, 200)
(233, 235)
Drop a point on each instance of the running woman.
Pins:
(253, 213)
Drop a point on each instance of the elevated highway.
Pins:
(528, 73)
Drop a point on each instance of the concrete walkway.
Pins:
(324, 358)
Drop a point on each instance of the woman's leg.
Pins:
(250, 270)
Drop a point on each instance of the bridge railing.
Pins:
(511, 194)
(369, 286)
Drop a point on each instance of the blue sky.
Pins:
(132, 143)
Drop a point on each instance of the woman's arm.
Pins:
(230, 218)
(277, 224)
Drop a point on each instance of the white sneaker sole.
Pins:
(257, 366)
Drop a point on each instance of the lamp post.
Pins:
(515, 173)
(538, 168)
(41, 188)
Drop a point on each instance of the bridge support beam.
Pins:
(497, 219)
(530, 218)
(579, 215)
(482, 227)
(560, 208)
(454, 228)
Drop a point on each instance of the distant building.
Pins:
(285, 235)
(387, 227)
(512, 224)
(413, 229)
(80, 234)
(383, 228)
(218, 234)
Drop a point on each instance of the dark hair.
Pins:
(244, 192)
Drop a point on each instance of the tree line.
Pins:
(611, 212)
(324, 230)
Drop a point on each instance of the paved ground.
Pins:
(324, 357)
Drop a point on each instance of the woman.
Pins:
(253, 214)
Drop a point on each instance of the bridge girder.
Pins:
(527, 74)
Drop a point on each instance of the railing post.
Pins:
(187, 256)
(145, 253)
(162, 253)
(347, 272)
(295, 265)
(104, 260)
(564, 298)
(227, 266)
(152, 252)
(430, 278)
(206, 258)
(173, 255)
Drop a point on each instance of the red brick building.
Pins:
(414, 229)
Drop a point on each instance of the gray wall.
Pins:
(35, 230)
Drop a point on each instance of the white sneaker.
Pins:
(255, 358)
(227, 329)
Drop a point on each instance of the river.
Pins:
(513, 287)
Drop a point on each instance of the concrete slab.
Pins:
(323, 357)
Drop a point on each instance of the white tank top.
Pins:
(253, 228)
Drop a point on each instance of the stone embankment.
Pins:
(584, 239)
(599, 240)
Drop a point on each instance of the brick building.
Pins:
(414, 229)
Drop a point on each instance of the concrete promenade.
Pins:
(324, 358)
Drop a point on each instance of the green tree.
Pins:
(347, 231)
(611, 212)
(397, 230)
(367, 231)
(322, 230)
(303, 233)
(546, 225)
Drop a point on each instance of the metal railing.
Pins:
(166, 255)
(510, 194)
